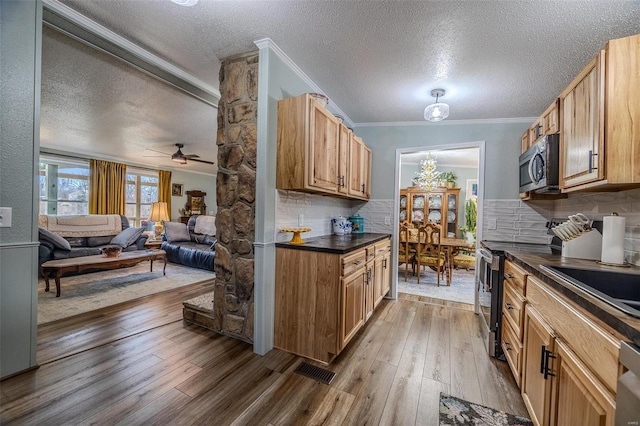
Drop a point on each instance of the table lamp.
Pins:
(157, 215)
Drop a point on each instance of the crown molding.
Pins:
(264, 43)
(517, 120)
(65, 19)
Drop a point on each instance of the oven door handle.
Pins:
(485, 254)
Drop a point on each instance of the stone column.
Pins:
(235, 195)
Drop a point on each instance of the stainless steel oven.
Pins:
(489, 290)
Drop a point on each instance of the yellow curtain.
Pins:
(107, 181)
(164, 188)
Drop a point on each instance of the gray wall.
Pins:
(191, 182)
(20, 48)
(502, 151)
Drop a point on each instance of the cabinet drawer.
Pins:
(516, 276)
(371, 252)
(512, 349)
(383, 247)
(353, 261)
(595, 346)
(513, 308)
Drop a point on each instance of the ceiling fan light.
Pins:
(436, 112)
(180, 160)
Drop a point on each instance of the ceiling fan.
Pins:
(181, 158)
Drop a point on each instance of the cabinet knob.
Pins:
(510, 276)
(506, 345)
(508, 305)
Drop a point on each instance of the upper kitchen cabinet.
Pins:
(315, 152)
(600, 121)
(360, 168)
(546, 124)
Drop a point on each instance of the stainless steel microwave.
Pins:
(539, 166)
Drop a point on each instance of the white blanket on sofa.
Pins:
(92, 225)
(205, 225)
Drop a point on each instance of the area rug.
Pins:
(88, 292)
(456, 411)
(461, 289)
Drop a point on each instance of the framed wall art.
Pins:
(176, 189)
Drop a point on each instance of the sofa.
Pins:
(192, 244)
(63, 237)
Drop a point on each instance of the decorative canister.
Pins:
(341, 225)
(357, 224)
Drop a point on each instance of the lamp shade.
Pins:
(436, 112)
(159, 212)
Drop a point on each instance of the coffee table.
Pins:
(79, 264)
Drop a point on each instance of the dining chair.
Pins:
(429, 252)
(405, 254)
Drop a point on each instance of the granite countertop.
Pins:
(623, 323)
(339, 244)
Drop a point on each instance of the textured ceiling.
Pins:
(378, 60)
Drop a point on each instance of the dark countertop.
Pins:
(623, 323)
(339, 244)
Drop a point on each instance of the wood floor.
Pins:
(140, 364)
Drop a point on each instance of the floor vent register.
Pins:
(316, 373)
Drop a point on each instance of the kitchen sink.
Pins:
(618, 289)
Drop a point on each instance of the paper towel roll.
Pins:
(613, 240)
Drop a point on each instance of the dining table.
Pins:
(450, 247)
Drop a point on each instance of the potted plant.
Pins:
(469, 230)
(449, 178)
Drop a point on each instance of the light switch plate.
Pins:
(5, 217)
(493, 223)
(387, 220)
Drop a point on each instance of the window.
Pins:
(64, 187)
(141, 191)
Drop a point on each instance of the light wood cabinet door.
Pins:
(366, 171)
(536, 385)
(343, 159)
(582, 400)
(386, 282)
(524, 141)
(583, 126)
(378, 280)
(359, 168)
(353, 298)
(550, 119)
(369, 290)
(324, 145)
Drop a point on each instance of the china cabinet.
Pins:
(439, 205)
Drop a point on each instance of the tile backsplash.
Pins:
(316, 210)
(597, 205)
(515, 220)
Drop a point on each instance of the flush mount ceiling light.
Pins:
(185, 2)
(437, 111)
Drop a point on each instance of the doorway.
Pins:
(418, 201)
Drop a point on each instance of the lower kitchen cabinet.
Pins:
(323, 299)
(353, 296)
(536, 382)
(569, 362)
(581, 399)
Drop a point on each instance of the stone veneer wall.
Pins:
(235, 196)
